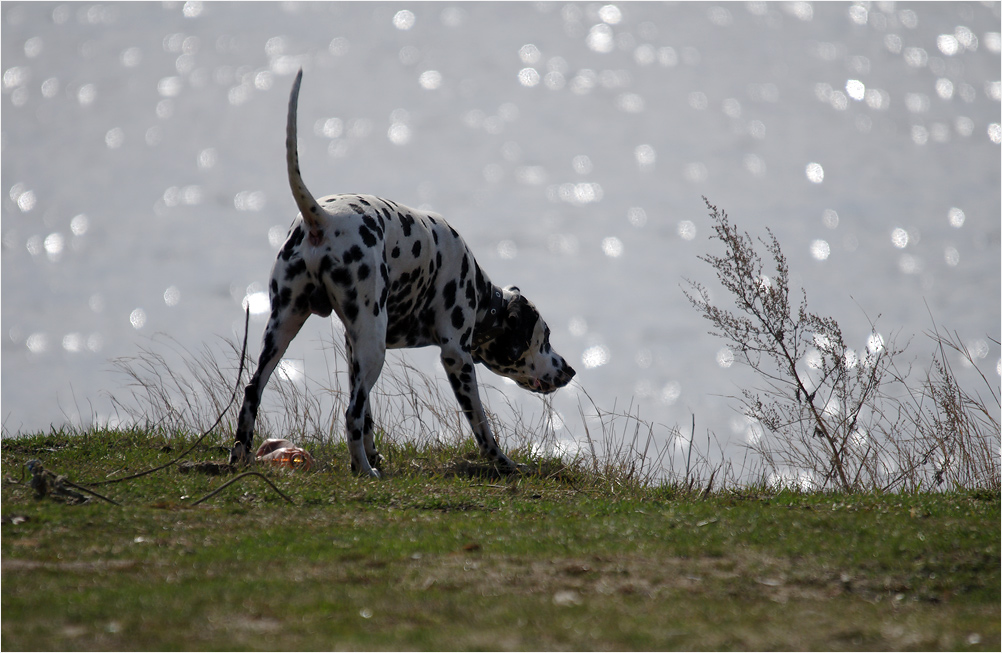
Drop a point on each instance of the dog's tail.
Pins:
(304, 200)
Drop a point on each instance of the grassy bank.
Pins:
(442, 554)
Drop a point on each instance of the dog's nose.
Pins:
(566, 374)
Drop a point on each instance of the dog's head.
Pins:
(520, 348)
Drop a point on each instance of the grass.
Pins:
(630, 539)
(446, 554)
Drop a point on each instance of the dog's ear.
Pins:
(520, 320)
(517, 313)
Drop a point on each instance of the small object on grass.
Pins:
(38, 481)
(45, 483)
(282, 453)
(61, 486)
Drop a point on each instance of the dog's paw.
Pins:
(506, 465)
(519, 469)
(371, 472)
(240, 455)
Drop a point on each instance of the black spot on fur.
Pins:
(357, 404)
(395, 253)
(352, 255)
(363, 272)
(291, 243)
(416, 249)
(303, 299)
(326, 263)
(295, 269)
(367, 238)
(406, 222)
(466, 403)
(372, 225)
(282, 300)
(449, 294)
(471, 295)
(481, 281)
(342, 277)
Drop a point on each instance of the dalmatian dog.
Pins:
(396, 277)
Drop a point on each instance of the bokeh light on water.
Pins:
(144, 185)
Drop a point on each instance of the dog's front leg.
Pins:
(462, 373)
(284, 324)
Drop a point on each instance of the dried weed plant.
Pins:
(963, 424)
(838, 419)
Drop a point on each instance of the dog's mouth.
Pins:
(546, 385)
(539, 386)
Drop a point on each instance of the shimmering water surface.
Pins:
(144, 184)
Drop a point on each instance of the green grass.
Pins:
(444, 554)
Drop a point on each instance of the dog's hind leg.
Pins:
(284, 324)
(366, 354)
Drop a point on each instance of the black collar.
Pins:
(490, 326)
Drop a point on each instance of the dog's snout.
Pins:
(564, 374)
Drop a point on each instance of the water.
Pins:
(145, 191)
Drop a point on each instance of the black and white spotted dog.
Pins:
(396, 277)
